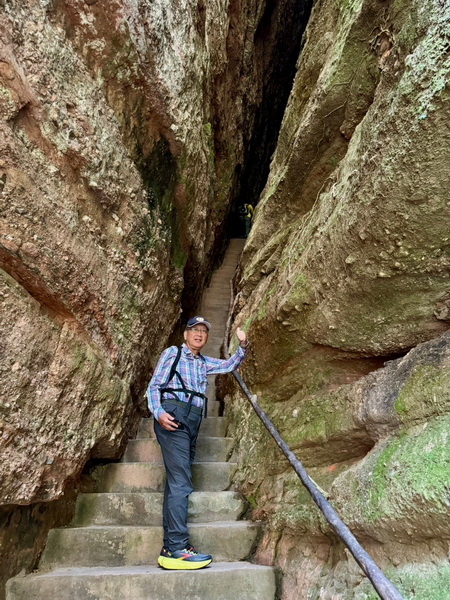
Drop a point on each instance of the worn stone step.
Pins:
(218, 286)
(215, 299)
(213, 405)
(210, 427)
(228, 267)
(219, 319)
(223, 274)
(219, 281)
(216, 344)
(209, 449)
(216, 339)
(221, 581)
(147, 477)
(146, 508)
(120, 546)
(216, 310)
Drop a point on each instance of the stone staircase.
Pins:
(215, 306)
(110, 550)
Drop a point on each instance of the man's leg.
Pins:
(175, 446)
(194, 429)
(178, 449)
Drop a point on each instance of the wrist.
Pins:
(244, 344)
(158, 412)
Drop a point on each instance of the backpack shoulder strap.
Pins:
(173, 368)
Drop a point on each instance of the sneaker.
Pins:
(188, 558)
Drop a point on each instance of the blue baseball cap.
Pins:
(198, 321)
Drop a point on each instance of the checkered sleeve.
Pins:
(216, 366)
(159, 380)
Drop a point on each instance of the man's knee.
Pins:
(180, 488)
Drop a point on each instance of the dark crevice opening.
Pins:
(278, 42)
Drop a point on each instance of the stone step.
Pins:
(210, 427)
(217, 317)
(221, 581)
(219, 321)
(228, 266)
(230, 260)
(213, 406)
(123, 546)
(216, 339)
(223, 274)
(217, 295)
(215, 309)
(221, 279)
(218, 285)
(219, 282)
(146, 508)
(148, 477)
(209, 449)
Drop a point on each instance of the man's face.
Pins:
(196, 337)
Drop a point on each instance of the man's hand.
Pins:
(166, 421)
(242, 337)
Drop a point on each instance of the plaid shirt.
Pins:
(193, 370)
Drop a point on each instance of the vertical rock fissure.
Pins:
(277, 41)
(275, 47)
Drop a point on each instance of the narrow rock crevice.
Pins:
(277, 43)
(274, 48)
(278, 40)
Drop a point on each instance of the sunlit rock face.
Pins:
(347, 268)
(124, 127)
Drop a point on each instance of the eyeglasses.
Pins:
(198, 330)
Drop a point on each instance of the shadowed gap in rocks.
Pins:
(278, 41)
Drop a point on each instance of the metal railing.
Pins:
(383, 586)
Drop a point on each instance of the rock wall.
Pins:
(89, 287)
(123, 130)
(344, 292)
(126, 135)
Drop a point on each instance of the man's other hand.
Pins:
(242, 336)
(166, 421)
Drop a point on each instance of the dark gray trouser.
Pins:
(178, 450)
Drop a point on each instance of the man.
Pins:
(176, 399)
(245, 212)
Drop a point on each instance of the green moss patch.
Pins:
(415, 582)
(426, 393)
(410, 474)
